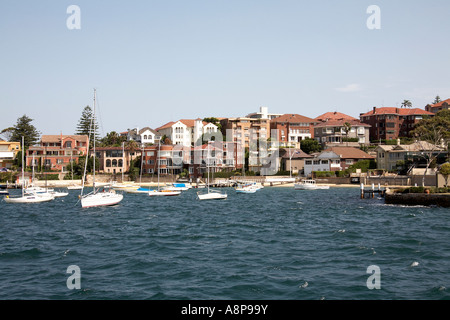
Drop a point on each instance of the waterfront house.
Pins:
(335, 159)
(168, 159)
(392, 123)
(115, 160)
(55, 152)
(392, 157)
(8, 152)
(293, 160)
(218, 156)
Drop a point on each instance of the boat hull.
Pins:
(74, 188)
(212, 196)
(30, 199)
(101, 199)
(167, 193)
(248, 190)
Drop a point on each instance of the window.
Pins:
(114, 163)
(349, 161)
(108, 163)
(308, 162)
(316, 162)
(120, 163)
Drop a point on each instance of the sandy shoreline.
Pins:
(67, 183)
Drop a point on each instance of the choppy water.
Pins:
(277, 244)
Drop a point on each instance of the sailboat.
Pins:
(95, 198)
(159, 191)
(28, 197)
(211, 194)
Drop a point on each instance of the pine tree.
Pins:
(84, 125)
(437, 100)
(24, 128)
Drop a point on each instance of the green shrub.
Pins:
(322, 174)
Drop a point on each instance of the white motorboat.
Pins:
(247, 188)
(95, 198)
(309, 184)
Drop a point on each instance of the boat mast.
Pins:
(159, 160)
(23, 172)
(207, 162)
(93, 127)
(123, 158)
(32, 177)
(142, 160)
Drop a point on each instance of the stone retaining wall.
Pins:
(418, 199)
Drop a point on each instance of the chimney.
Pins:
(374, 110)
(398, 141)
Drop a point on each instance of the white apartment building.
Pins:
(186, 132)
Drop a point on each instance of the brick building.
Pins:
(292, 129)
(56, 151)
(435, 108)
(391, 123)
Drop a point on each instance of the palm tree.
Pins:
(406, 104)
(347, 128)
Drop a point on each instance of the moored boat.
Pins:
(309, 184)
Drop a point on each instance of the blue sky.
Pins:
(159, 61)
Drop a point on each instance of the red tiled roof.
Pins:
(57, 138)
(350, 153)
(340, 123)
(334, 116)
(289, 117)
(399, 111)
(188, 122)
(439, 104)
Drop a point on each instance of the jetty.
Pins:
(370, 192)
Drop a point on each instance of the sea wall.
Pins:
(418, 199)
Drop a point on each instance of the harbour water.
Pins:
(276, 244)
